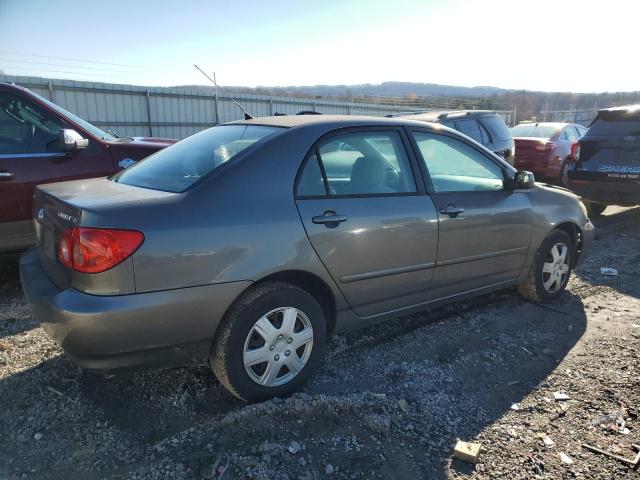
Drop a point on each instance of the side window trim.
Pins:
(414, 163)
(311, 154)
(325, 181)
(423, 164)
(485, 131)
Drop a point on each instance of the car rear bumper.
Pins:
(607, 192)
(539, 165)
(100, 332)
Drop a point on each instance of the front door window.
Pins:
(26, 128)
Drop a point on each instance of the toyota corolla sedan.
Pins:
(246, 245)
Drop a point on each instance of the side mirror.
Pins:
(71, 141)
(523, 180)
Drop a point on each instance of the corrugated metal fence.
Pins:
(581, 117)
(177, 112)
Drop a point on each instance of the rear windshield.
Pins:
(615, 126)
(495, 124)
(182, 164)
(533, 130)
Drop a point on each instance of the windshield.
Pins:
(77, 120)
(533, 130)
(180, 165)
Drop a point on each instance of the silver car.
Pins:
(249, 243)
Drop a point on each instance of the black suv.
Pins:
(484, 126)
(606, 160)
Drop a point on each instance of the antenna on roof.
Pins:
(247, 116)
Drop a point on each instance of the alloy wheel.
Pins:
(278, 346)
(556, 268)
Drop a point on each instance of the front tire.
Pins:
(551, 268)
(269, 343)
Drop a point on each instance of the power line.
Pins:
(78, 60)
(33, 62)
(29, 69)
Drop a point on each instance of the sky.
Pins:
(559, 45)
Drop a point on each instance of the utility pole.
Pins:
(215, 100)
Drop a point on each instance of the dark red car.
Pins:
(41, 142)
(544, 148)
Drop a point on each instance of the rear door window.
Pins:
(495, 124)
(572, 134)
(359, 163)
(177, 167)
(470, 128)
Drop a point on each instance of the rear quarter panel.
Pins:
(240, 224)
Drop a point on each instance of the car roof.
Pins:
(11, 85)
(623, 108)
(435, 116)
(330, 121)
(549, 124)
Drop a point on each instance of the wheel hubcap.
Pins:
(278, 346)
(556, 268)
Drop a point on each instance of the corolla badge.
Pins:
(126, 162)
(67, 217)
(40, 215)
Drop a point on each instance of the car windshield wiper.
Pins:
(110, 133)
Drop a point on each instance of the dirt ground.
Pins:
(388, 402)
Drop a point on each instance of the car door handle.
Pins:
(452, 210)
(329, 218)
(4, 175)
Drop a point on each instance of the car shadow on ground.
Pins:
(459, 374)
(459, 368)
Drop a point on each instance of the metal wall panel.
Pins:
(177, 112)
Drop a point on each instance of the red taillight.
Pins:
(575, 152)
(545, 147)
(94, 250)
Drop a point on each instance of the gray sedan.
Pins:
(249, 243)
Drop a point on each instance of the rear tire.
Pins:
(272, 326)
(550, 270)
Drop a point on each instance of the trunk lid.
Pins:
(95, 202)
(526, 148)
(526, 144)
(52, 217)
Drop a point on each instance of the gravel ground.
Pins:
(388, 402)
